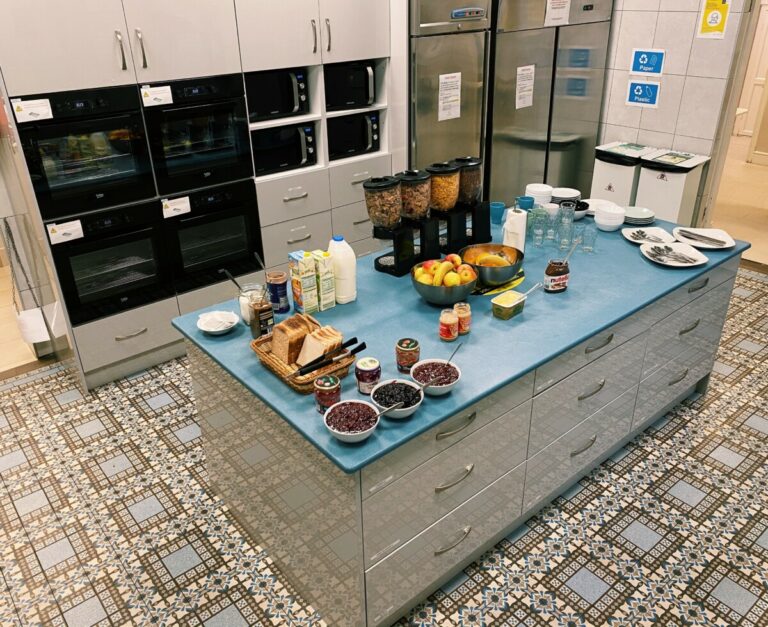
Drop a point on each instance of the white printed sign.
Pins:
(64, 232)
(449, 97)
(31, 110)
(558, 13)
(176, 207)
(526, 77)
(154, 96)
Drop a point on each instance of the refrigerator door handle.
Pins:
(369, 127)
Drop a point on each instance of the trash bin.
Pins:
(617, 171)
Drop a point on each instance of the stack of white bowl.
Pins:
(541, 193)
(559, 194)
(609, 218)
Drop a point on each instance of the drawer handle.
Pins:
(695, 288)
(360, 181)
(380, 484)
(447, 486)
(359, 222)
(464, 533)
(292, 198)
(122, 338)
(586, 447)
(690, 328)
(387, 549)
(299, 239)
(599, 387)
(680, 378)
(447, 434)
(592, 349)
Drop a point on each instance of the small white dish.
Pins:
(651, 252)
(608, 226)
(594, 203)
(436, 390)
(639, 214)
(398, 414)
(346, 436)
(716, 233)
(566, 193)
(640, 235)
(217, 322)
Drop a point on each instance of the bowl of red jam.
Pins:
(389, 393)
(351, 421)
(447, 375)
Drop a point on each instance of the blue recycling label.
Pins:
(643, 94)
(648, 62)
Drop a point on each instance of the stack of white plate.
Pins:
(541, 193)
(639, 216)
(609, 218)
(559, 194)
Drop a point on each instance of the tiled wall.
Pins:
(694, 81)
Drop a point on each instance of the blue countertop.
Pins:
(606, 286)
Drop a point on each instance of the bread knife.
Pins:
(327, 362)
(330, 354)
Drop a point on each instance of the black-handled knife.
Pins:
(332, 353)
(327, 362)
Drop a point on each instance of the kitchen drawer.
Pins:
(415, 452)
(418, 565)
(347, 179)
(578, 449)
(308, 233)
(352, 222)
(565, 405)
(404, 508)
(113, 339)
(587, 352)
(368, 246)
(293, 196)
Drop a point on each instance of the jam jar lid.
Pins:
(467, 162)
(407, 344)
(444, 167)
(367, 363)
(327, 382)
(381, 182)
(413, 176)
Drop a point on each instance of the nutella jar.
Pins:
(556, 276)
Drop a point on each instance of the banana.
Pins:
(444, 268)
(491, 260)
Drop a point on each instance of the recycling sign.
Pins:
(643, 94)
(648, 62)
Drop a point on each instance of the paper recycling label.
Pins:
(176, 207)
(31, 110)
(154, 96)
(526, 78)
(64, 232)
(449, 97)
(647, 62)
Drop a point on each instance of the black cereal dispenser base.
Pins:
(406, 250)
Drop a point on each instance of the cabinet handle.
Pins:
(314, 36)
(119, 37)
(295, 89)
(695, 288)
(690, 328)
(586, 447)
(122, 338)
(447, 434)
(365, 174)
(303, 142)
(359, 222)
(592, 349)
(369, 126)
(292, 198)
(679, 379)
(387, 549)
(599, 387)
(464, 533)
(328, 27)
(299, 239)
(446, 486)
(380, 484)
(140, 37)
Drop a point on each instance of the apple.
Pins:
(467, 276)
(454, 259)
(431, 266)
(418, 272)
(425, 278)
(451, 279)
(465, 266)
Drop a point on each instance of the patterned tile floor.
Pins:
(106, 516)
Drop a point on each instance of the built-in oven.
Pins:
(349, 85)
(198, 132)
(219, 230)
(277, 94)
(85, 150)
(112, 260)
(351, 135)
(284, 148)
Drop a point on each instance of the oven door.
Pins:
(276, 94)
(353, 135)
(88, 164)
(349, 85)
(201, 145)
(283, 148)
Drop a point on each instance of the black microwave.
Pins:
(284, 148)
(349, 85)
(351, 135)
(277, 94)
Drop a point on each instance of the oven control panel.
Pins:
(468, 13)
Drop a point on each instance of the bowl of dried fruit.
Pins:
(394, 391)
(447, 375)
(351, 421)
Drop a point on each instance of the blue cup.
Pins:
(497, 212)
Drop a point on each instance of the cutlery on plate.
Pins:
(667, 252)
(704, 239)
(642, 236)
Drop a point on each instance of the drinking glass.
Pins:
(567, 210)
(552, 222)
(539, 231)
(578, 234)
(589, 238)
(565, 234)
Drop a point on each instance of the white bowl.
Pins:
(604, 220)
(639, 213)
(595, 203)
(351, 437)
(436, 390)
(610, 212)
(398, 414)
(608, 227)
(566, 193)
(538, 189)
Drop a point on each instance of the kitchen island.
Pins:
(364, 531)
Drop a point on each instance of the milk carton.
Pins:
(326, 282)
(303, 283)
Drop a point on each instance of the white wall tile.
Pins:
(659, 140)
(664, 118)
(712, 57)
(738, 6)
(641, 5)
(680, 5)
(613, 133)
(700, 107)
(618, 112)
(692, 144)
(674, 33)
(637, 28)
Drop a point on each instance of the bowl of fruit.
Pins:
(444, 281)
(494, 264)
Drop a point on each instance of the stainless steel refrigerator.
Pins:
(448, 48)
(547, 131)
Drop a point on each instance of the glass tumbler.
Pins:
(589, 238)
(578, 234)
(565, 234)
(539, 231)
(551, 232)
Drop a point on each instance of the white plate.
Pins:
(652, 231)
(716, 233)
(217, 322)
(597, 202)
(639, 213)
(678, 247)
(566, 193)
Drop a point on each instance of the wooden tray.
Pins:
(303, 385)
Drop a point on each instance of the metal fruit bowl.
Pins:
(493, 275)
(442, 295)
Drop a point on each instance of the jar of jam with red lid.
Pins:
(407, 353)
(556, 276)
(327, 392)
(367, 373)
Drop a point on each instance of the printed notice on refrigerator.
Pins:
(176, 207)
(31, 110)
(714, 18)
(526, 76)
(558, 12)
(449, 97)
(64, 232)
(154, 96)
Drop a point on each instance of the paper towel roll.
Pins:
(514, 229)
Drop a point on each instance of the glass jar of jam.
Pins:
(327, 392)
(556, 276)
(367, 373)
(464, 312)
(449, 325)
(407, 353)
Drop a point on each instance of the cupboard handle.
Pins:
(119, 37)
(679, 379)
(592, 349)
(586, 447)
(299, 239)
(446, 486)
(387, 549)
(357, 181)
(371, 90)
(599, 387)
(140, 37)
(690, 328)
(380, 484)
(464, 533)
(328, 27)
(447, 434)
(314, 36)
(359, 222)
(292, 198)
(122, 338)
(700, 286)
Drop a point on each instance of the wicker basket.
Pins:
(305, 384)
